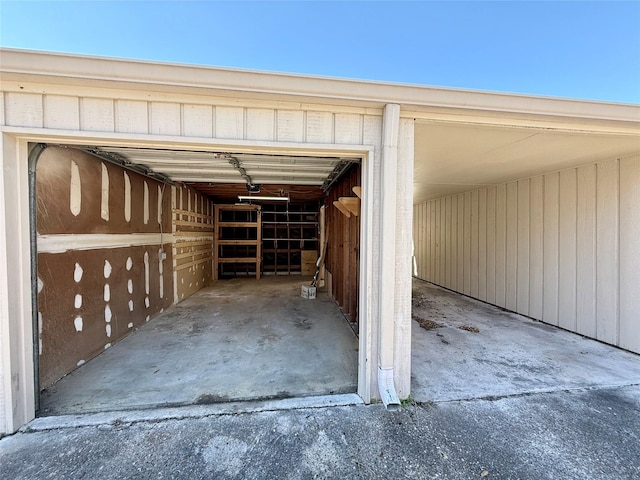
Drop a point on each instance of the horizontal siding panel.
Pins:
(132, 116)
(197, 121)
(23, 109)
(260, 124)
(97, 115)
(348, 128)
(290, 126)
(229, 123)
(61, 112)
(165, 118)
(320, 127)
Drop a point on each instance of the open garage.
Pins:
(154, 209)
(122, 236)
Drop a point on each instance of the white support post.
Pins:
(386, 332)
(404, 224)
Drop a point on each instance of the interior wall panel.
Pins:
(560, 247)
(91, 293)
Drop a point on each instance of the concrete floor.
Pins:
(236, 340)
(477, 351)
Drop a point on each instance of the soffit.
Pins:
(453, 158)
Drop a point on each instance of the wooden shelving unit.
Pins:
(237, 241)
(289, 239)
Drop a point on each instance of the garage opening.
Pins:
(170, 277)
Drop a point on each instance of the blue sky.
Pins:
(575, 49)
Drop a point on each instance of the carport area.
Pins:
(239, 339)
(464, 349)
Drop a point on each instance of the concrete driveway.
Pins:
(465, 349)
(504, 397)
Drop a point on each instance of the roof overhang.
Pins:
(463, 139)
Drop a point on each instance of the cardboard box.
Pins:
(309, 259)
(308, 292)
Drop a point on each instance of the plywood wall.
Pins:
(563, 248)
(343, 246)
(193, 241)
(100, 268)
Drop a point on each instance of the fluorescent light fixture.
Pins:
(264, 199)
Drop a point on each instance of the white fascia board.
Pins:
(47, 67)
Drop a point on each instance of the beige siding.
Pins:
(61, 112)
(96, 114)
(561, 248)
(190, 120)
(197, 121)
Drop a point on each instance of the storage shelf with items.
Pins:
(238, 241)
(289, 239)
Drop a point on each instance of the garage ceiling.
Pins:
(453, 158)
(225, 175)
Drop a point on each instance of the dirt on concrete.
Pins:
(424, 323)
